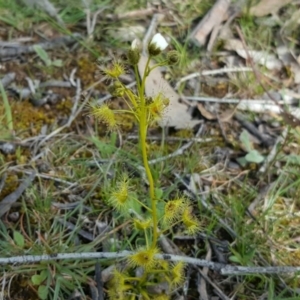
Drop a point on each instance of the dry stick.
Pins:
(91, 19)
(202, 289)
(222, 268)
(99, 282)
(26, 259)
(243, 102)
(43, 176)
(173, 139)
(215, 286)
(48, 45)
(56, 83)
(241, 270)
(71, 78)
(212, 72)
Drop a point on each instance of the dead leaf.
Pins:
(261, 57)
(205, 113)
(176, 115)
(266, 7)
(128, 33)
(223, 117)
(227, 115)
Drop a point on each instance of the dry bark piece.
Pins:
(176, 115)
(225, 116)
(217, 14)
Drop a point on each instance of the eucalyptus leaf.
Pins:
(37, 279)
(43, 292)
(160, 209)
(254, 156)
(242, 161)
(18, 239)
(158, 193)
(245, 140)
(106, 149)
(293, 159)
(43, 55)
(57, 63)
(235, 259)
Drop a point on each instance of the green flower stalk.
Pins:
(178, 211)
(146, 111)
(149, 110)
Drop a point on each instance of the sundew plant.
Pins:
(127, 283)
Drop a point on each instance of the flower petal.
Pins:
(135, 44)
(159, 41)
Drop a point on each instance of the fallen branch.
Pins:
(240, 270)
(25, 259)
(222, 268)
(17, 50)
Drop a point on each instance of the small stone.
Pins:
(14, 216)
(7, 148)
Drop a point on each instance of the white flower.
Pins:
(135, 44)
(159, 41)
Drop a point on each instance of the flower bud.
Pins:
(116, 89)
(133, 56)
(166, 101)
(148, 100)
(134, 53)
(157, 45)
(135, 45)
(173, 57)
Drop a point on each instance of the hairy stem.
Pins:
(143, 126)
